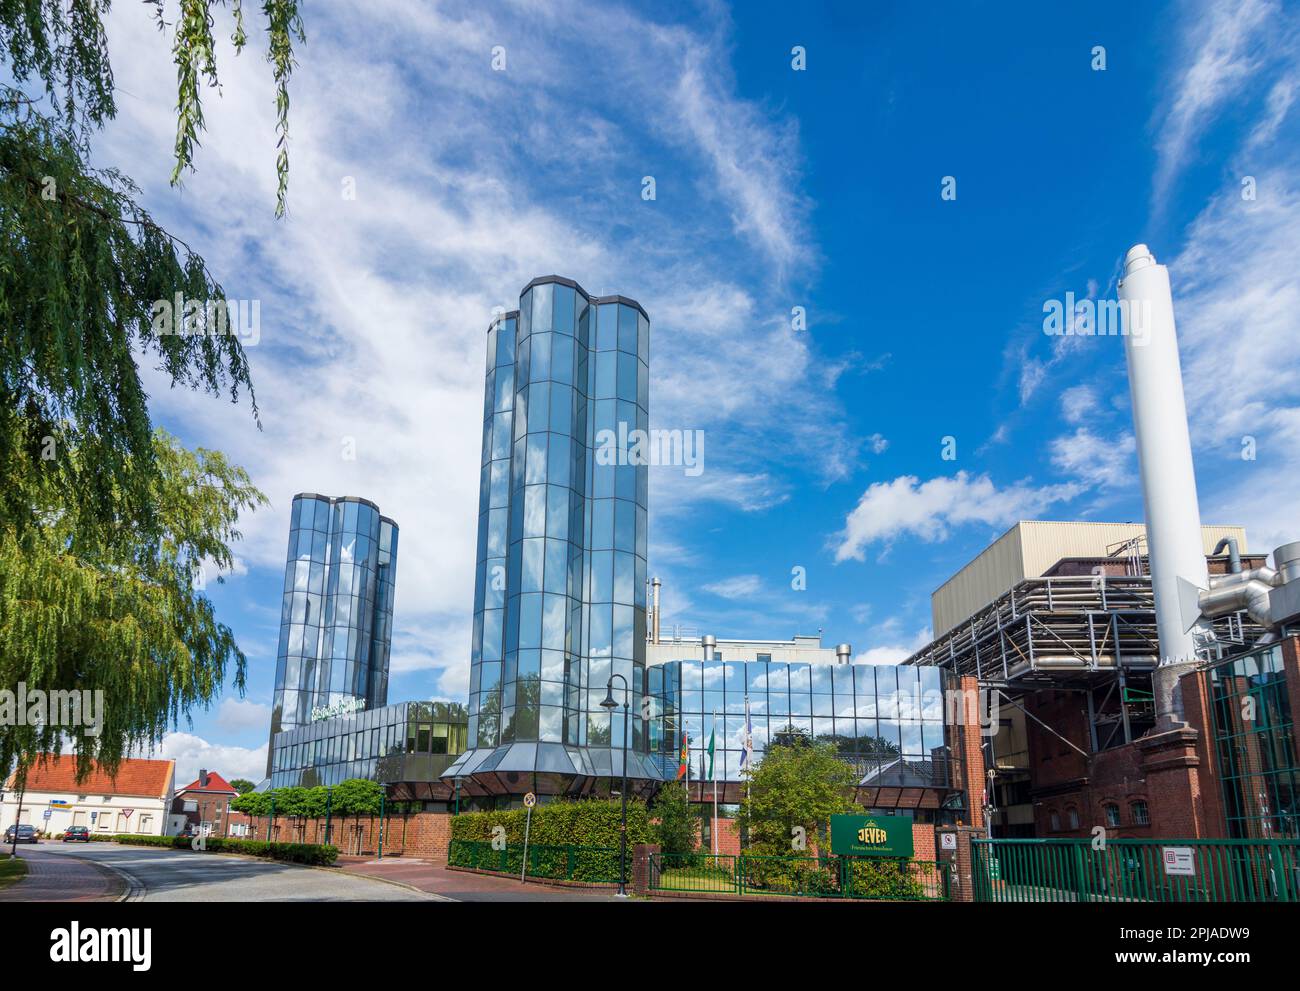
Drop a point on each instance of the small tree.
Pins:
(676, 829)
(242, 785)
(798, 787)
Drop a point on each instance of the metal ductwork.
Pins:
(843, 653)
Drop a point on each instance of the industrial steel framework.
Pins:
(1092, 633)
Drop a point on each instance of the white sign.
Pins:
(126, 813)
(343, 707)
(530, 800)
(948, 841)
(46, 814)
(1179, 860)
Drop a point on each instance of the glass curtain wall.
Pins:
(336, 614)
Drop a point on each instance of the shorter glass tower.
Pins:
(336, 621)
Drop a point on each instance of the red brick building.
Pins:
(204, 805)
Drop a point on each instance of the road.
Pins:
(156, 875)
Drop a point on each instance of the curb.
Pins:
(432, 895)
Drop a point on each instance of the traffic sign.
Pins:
(46, 814)
(530, 800)
(127, 813)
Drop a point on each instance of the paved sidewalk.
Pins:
(62, 878)
(466, 887)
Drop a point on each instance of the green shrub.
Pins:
(586, 822)
(294, 853)
(883, 877)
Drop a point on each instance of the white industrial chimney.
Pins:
(1173, 517)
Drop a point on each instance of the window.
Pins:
(1112, 814)
(1056, 821)
(1141, 815)
(764, 658)
(1073, 813)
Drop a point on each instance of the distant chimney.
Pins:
(203, 778)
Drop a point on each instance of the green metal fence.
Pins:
(568, 862)
(878, 878)
(1075, 870)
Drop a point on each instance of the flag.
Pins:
(712, 734)
(685, 757)
(748, 747)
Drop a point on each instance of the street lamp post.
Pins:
(609, 703)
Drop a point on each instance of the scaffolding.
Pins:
(1047, 631)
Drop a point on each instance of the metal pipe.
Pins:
(654, 585)
(1234, 558)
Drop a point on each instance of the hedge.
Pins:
(295, 853)
(586, 822)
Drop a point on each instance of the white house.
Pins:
(136, 799)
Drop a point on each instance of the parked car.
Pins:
(75, 834)
(26, 834)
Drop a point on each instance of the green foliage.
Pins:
(296, 853)
(242, 785)
(557, 862)
(797, 786)
(357, 796)
(676, 830)
(883, 877)
(62, 45)
(88, 608)
(575, 840)
(80, 272)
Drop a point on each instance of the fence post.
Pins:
(641, 867)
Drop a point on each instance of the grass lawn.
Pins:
(11, 870)
(695, 879)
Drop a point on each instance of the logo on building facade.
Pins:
(343, 707)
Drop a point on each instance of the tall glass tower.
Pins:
(559, 598)
(336, 621)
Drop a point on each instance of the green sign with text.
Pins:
(871, 836)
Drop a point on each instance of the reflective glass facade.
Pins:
(405, 742)
(1254, 730)
(337, 613)
(886, 720)
(559, 602)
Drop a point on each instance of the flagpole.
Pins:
(714, 830)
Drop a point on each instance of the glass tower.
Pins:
(336, 621)
(559, 600)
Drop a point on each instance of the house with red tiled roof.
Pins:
(203, 805)
(133, 799)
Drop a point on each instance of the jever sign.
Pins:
(871, 836)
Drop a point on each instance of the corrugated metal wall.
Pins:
(1027, 550)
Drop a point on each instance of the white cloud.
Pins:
(193, 752)
(1077, 402)
(878, 443)
(893, 653)
(1108, 463)
(928, 510)
(238, 715)
(738, 587)
(1225, 48)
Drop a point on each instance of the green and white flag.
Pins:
(712, 733)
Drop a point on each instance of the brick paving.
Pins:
(465, 886)
(62, 878)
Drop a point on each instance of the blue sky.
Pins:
(775, 189)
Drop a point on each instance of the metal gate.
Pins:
(1080, 870)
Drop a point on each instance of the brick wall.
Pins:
(418, 834)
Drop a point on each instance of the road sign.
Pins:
(1179, 860)
(530, 800)
(127, 813)
(46, 814)
(948, 841)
